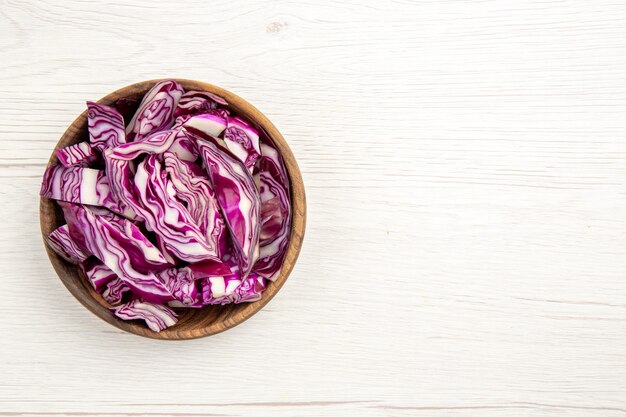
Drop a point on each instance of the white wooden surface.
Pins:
(465, 164)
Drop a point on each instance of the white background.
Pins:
(465, 168)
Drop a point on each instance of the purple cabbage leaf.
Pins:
(157, 317)
(273, 183)
(62, 243)
(156, 110)
(168, 217)
(97, 273)
(106, 126)
(238, 198)
(116, 250)
(80, 154)
(243, 141)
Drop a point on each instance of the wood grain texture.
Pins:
(192, 323)
(465, 168)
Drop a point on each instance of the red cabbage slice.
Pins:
(156, 110)
(250, 290)
(106, 126)
(193, 102)
(169, 218)
(75, 185)
(230, 289)
(194, 189)
(155, 143)
(219, 290)
(116, 250)
(207, 123)
(97, 273)
(189, 296)
(182, 284)
(157, 317)
(273, 183)
(119, 167)
(147, 256)
(209, 269)
(183, 147)
(80, 185)
(238, 198)
(243, 141)
(62, 243)
(169, 256)
(80, 154)
(220, 112)
(113, 203)
(114, 291)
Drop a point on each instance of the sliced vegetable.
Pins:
(106, 126)
(112, 202)
(155, 143)
(169, 218)
(182, 285)
(273, 184)
(119, 168)
(80, 154)
(183, 147)
(98, 274)
(230, 289)
(220, 290)
(243, 141)
(62, 243)
(115, 250)
(156, 110)
(169, 256)
(75, 185)
(193, 102)
(238, 198)
(114, 291)
(210, 269)
(207, 123)
(194, 189)
(146, 256)
(250, 290)
(157, 317)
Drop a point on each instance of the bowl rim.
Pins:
(94, 302)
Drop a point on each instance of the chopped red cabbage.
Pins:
(238, 198)
(97, 273)
(62, 243)
(192, 208)
(156, 110)
(193, 102)
(230, 289)
(168, 217)
(75, 185)
(194, 190)
(243, 141)
(206, 123)
(116, 250)
(157, 317)
(114, 291)
(182, 285)
(106, 126)
(80, 154)
(273, 184)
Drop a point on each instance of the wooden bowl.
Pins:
(193, 323)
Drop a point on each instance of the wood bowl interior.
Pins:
(193, 323)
